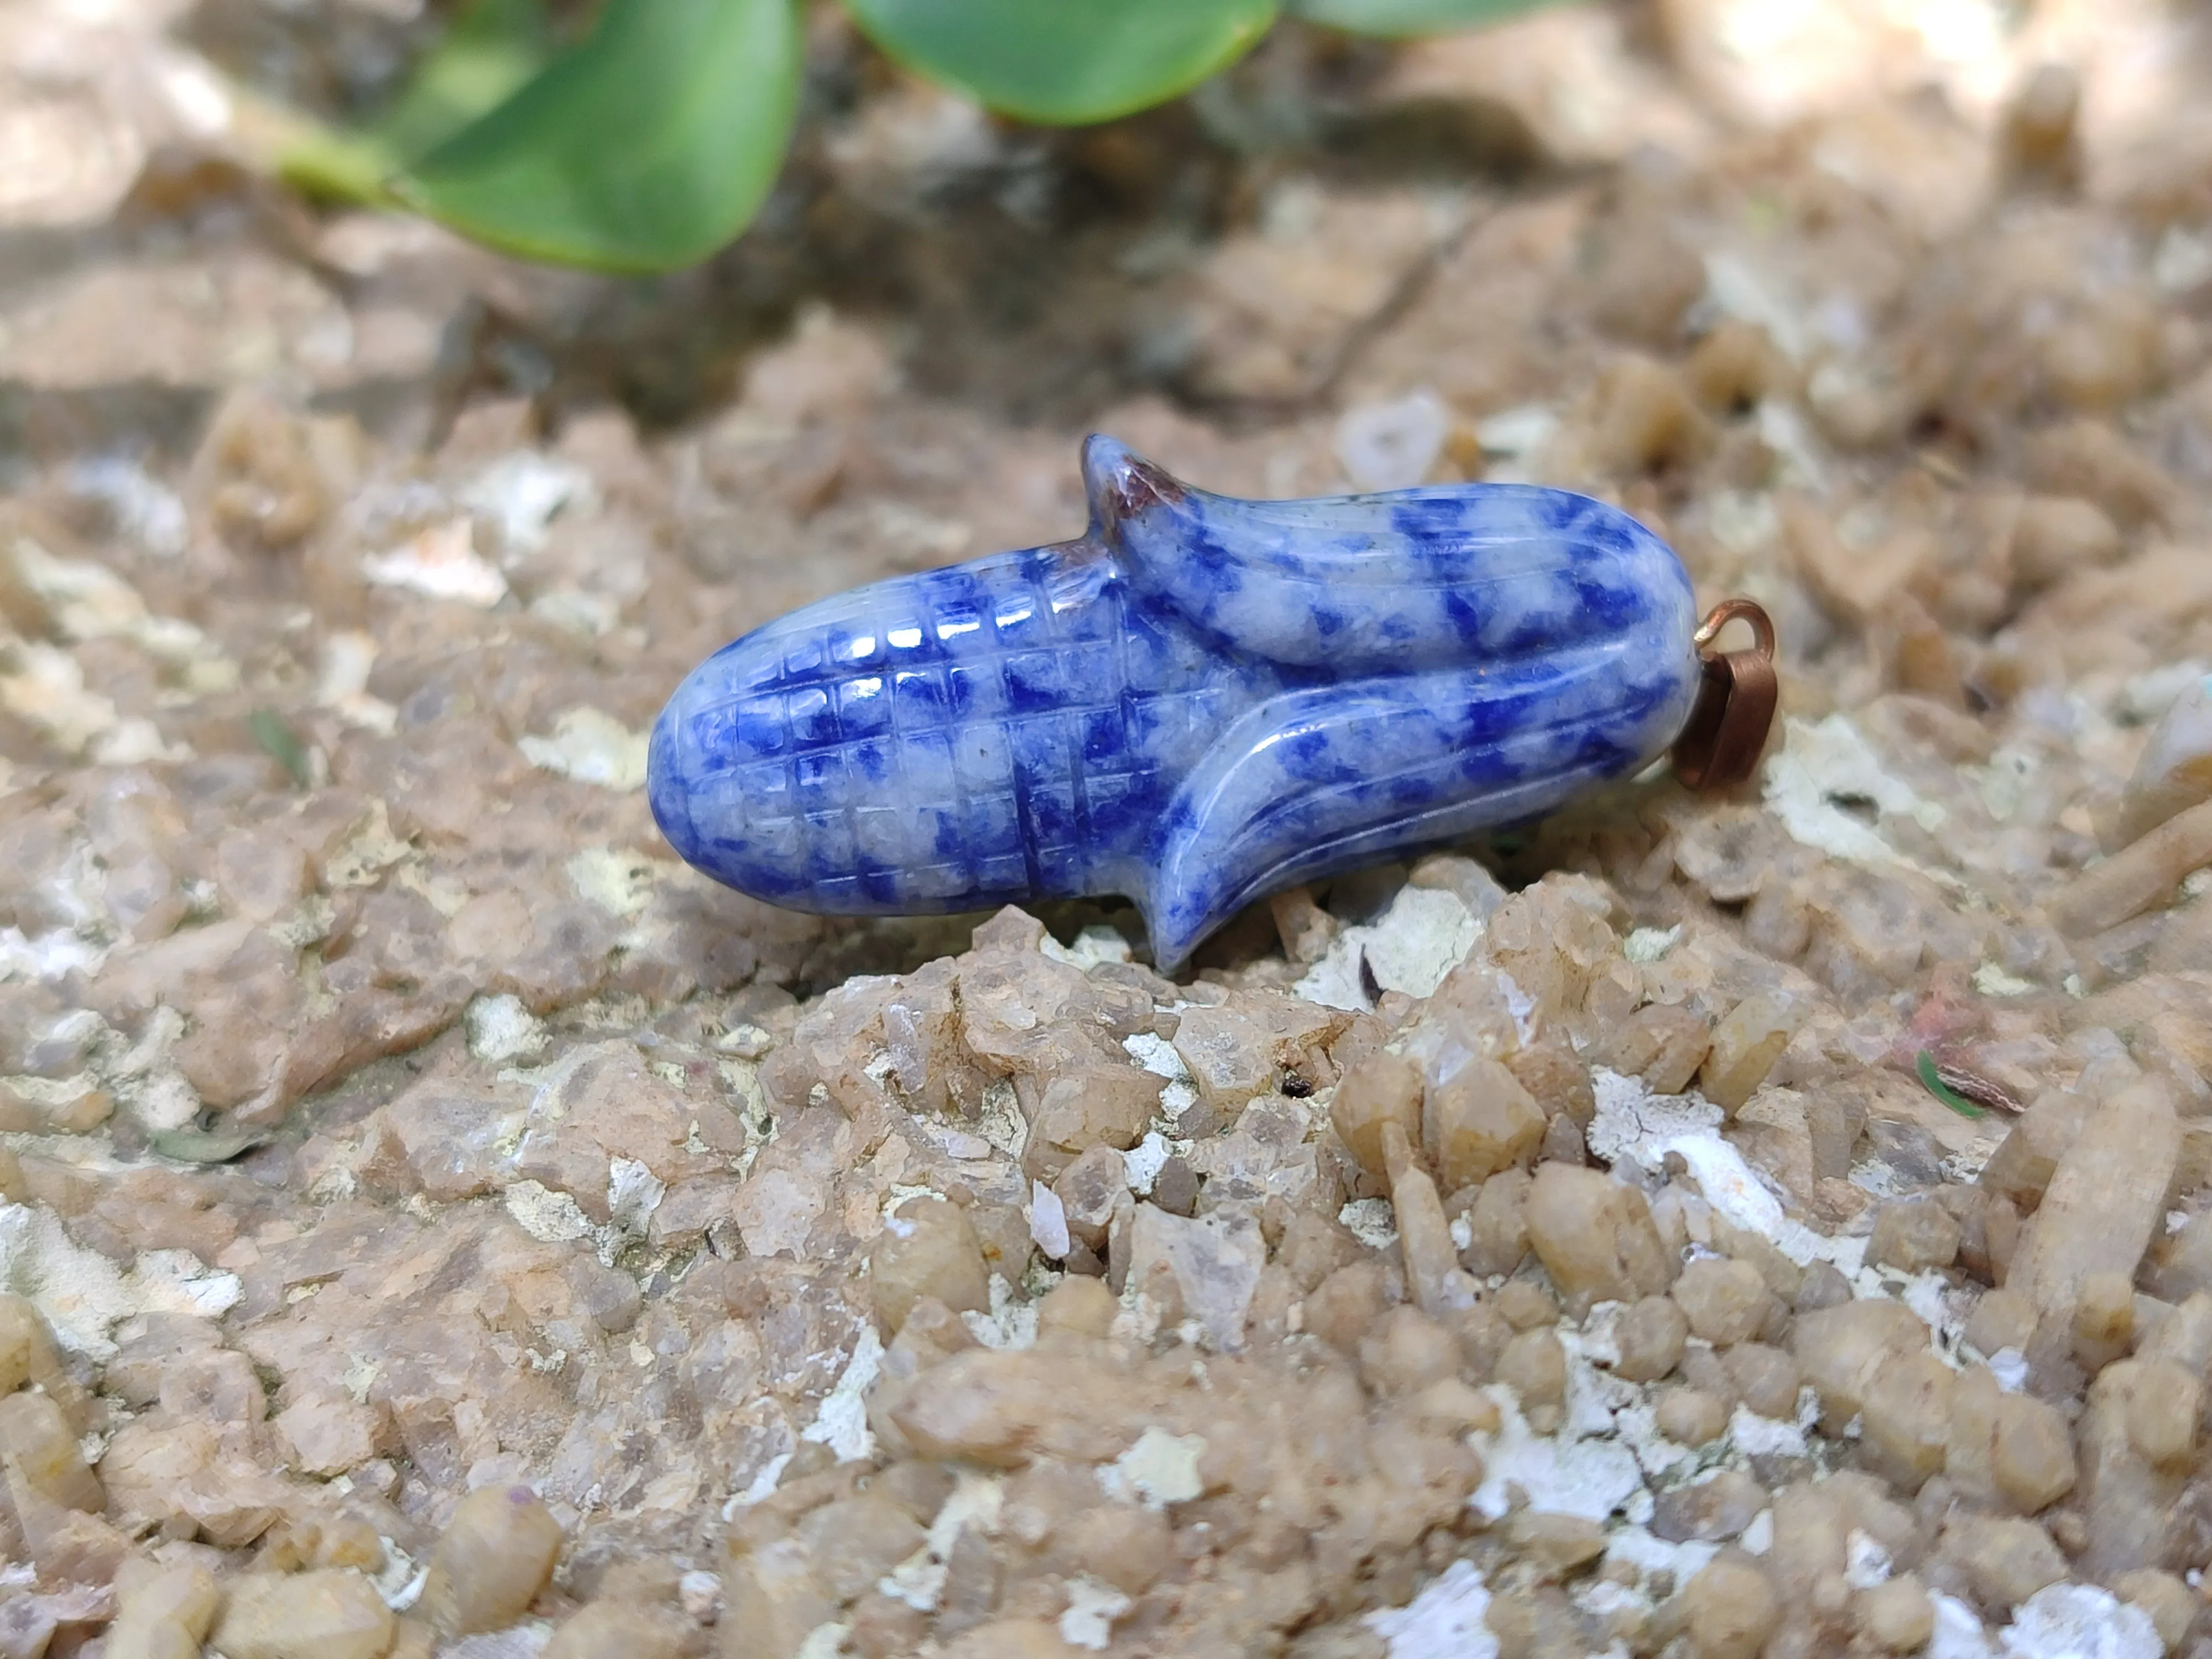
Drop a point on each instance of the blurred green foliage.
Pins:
(651, 139)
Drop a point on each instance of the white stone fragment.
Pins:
(1048, 1221)
(1958, 1632)
(1425, 933)
(548, 1217)
(1635, 1123)
(1372, 1222)
(1011, 1322)
(1160, 1469)
(1446, 1620)
(146, 510)
(1866, 1563)
(342, 686)
(619, 883)
(590, 747)
(2078, 1622)
(523, 492)
(1141, 1163)
(841, 1422)
(1092, 1607)
(1823, 763)
(1992, 980)
(84, 1296)
(439, 563)
(1589, 1478)
(1095, 944)
(500, 1029)
(634, 1193)
(1392, 446)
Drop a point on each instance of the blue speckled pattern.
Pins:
(1197, 701)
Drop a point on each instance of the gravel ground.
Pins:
(438, 1222)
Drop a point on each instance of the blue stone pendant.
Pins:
(1197, 701)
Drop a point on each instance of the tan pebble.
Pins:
(328, 1614)
(2104, 1323)
(1554, 1545)
(2006, 1559)
(855, 1541)
(1767, 1379)
(2038, 136)
(1109, 1106)
(615, 1629)
(1556, 1076)
(33, 1432)
(1749, 1038)
(1078, 1306)
(1453, 1404)
(1012, 1638)
(1913, 1234)
(1344, 1306)
(2171, 1604)
(1594, 1237)
(1692, 1417)
(165, 1612)
(770, 1601)
(1306, 930)
(1842, 1349)
(2174, 771)
(1719, 1506)
(2030, 1452)
(1384, 1088)
(1729, 1609)
(495, 1554)
(1478, 1122)
(929, 1248)
(2162, 1411)
(1663, 1043)
(1527, 1304)
(2138, 877)
(1407, 1352)
(1127, 1546)
(1089, 1190)
(1535, 1366)
(1736, 366)
(1822, 1287)
(1906, 1413)
(1434, 1278)
(1897, 1616)
(2057, 535)
(27, 1346)
(2002, 1319)
(1724, 1300)
(1650, 1335)
(1645, 419)
(1499, 1225)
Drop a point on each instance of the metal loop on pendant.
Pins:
(1727, 730)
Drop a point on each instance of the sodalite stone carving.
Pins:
(1197, 701)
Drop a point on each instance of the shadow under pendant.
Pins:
(1200, 700)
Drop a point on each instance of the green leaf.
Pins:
(1066, 62)
(281, 744)
(489, 50)
(1394, 18)
(643, 148)
(1930, 1078)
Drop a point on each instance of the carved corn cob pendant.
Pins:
(1199, 700)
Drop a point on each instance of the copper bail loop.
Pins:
(1727, 725)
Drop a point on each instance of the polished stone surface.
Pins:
(1198, 701)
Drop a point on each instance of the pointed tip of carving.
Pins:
(1121, 483)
